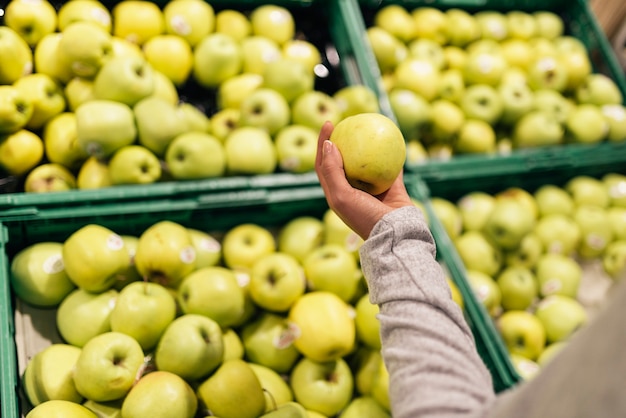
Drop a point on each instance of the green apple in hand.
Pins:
(216, 58)
(85, 46)
(82, 315)
(332, 268)
(233, 391)
(560, 316)
(60, 409)
(134, 164)
(160, 393)
(314, 108)
(250, 150)
(189, 20)
(18, 56)
(276, 281)
(192, 346)
(32, 20)
(46, 96)
(16, 109)
(158, 123)
(374, 161)
(125, 79)
(296, 148)
(523, 333)
(558, 274)
(300, 235)
(518, 288)
(61, 141)
(21, 152)
(49, 177)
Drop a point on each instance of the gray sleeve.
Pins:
(428, 349)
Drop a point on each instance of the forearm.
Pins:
(428, 348)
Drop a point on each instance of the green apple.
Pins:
(125, 79)
(38, 275)
(451, 85)
(478, 253)
(137, 21)
(134, 164)
(598, 89)
(324, 326)
(234, 23)
(475, 208)
(380, 386)
(108, 366)
(418, 75)
(508, 223)
(302, 51)
(288, 77)
(616, 185)
(296, 148)
(165, 88)
(325, 387)
(558, 233)
(554, 103)
(547, 72)
(233, 391)
(195, 117)
(388, 50)
(189, 20)
(588, 190)
(561, 316)
(427, 49)
(482, 101)
(265, 108)
(111, 409)
(232, 91)
(364, 407)
(192, 347)
(46, 96)
(233, 346)
(215, 283)
(85, 46)
(16, 109)
(124, 48)
(171, 55)
(278, 394)
(366, 322)
(257, 52)
(475, 136)
(365, 366)
(595, 230)
(486, 290)
(78, 10)
(336, 231)
(113, 118)
(493, 25)
(60, 408)
(16, 52)
(355, 99)
(518, 288)
(195, 155)
(484, 67)
(518, 54)
(165, 253)
(586, 124)
(461, 27)
(93, 256)
(522, 25)
(548, 24)
(578, 66)
(614, 259)
(32, 20)
(288, 409)
(523, 333)
(208, 248)
(21, 152)
(158, 123)
(93, 174)
(617, 219)
(47, 60)
(615, 116)
(61, 141)
(160, 393)
(223, 122)
(397, 21)
(49, 177)
(537, 128)
(274, 22)
(276, 281)
(78, 91)
(552, 199)
(374, 161)
(526, 254)
(558, 274)
(250, 150)
(430, 23)
(449, 215)
(314, 108)
(550, 352)
(524, 367)
(246, 243)
(332, 268)
(82, 315)
(300, 235)
(517, 100)
(455, 57)
(216, 58)
(268, 341)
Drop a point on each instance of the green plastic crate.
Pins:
(213, 212)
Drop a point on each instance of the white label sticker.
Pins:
(551, 286)
(180, 25)
(210, 245)
(243, 278)
(53, 264)
(115, 242)
(288, 336)
(188, 255)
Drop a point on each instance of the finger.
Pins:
(325, 131)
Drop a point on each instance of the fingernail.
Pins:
(327, 146)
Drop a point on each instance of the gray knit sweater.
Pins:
(430, 354)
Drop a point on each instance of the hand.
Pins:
(358, 209)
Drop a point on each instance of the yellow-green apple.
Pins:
(233, 346)
(364, 406)
(586, 124)
(131, 274)
(60, 408)
(577, 65)
(547, 72)
(522, 25)
(46, 96)
(552, 199)
(18, 56)
(517, 100)
(550, 352)
(234, 23)
(558, 274)
(82, 315)
(523, 333)
(265, 108)
(158, 123)
(276, 281)
(109, 409)
(196, 119)
(326, 387)
(189, 20)
(165, 253)
(366, 322)
(474, 208)
(508, 223)
(165, 88)
(216, 58)
(126, 79)
(518, 53)
(268, 340)
(526, 254)
(588, 190)
(137, 21)
(32, 20)
(617, 219)
(524, 367)
(48, 374)
(380, 386)
(372, 162)
(93, 174)
(93, 256)
(78, 91)
(518, 288)
(324, 326)
(415, 152)
(246, 243)
(104, 126)
(278, 394)
(85, 46)
(484, 67)
(47, 60)
(554, 103)
(296, 148)
(90, 10)
(614, 259)
(192, 346)
(486, 289)
(223, 122)
(288, 77)
(61, 141)
(595, 230)
(616, 185)
(451, 85)
(455, 57)
(598, 89)
(482, 101)
(171, 55)
(302, 51)
(418, 75)
(411, 110)
(461, 27)
(388, 50)
(537, 128)
(300, 235)
(365, 366)
(548, 24)
(427, 49)
(559, 233)
(561, 316)
(195, 155)
(447, 118)
(478, 253)
(123, 48)
(274, 22)
(493, 25)
(475, 136)
(38, 275)
(208, 248)
(134, 164)
(49, 177)
(332, 268)
(233, 90)
(250, 150)
(160, 393)
(16, 109)
(20, 152)
(397, 21)
(615, 116)
(257, 52)
(430, 23)
(449, 215)
(233, 391)
(336, 231)
(356, 99)
(313, 108)
(107, 366)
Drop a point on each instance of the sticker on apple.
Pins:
(243, 278)
(551, 286)
(287, 337)
(188, 255)
(115, 242)
(210, 245)
(53, 264)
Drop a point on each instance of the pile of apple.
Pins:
(239, 323)
(92, 97)
(490, 82)
(525, 252)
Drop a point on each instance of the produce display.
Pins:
(139, 93)
(254, 319)
(490, 81)
(526, 252)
